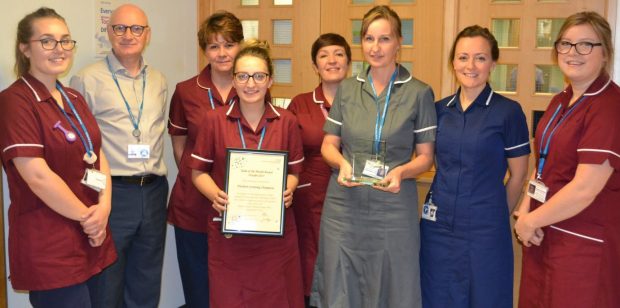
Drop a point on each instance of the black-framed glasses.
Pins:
(582, 48)
(50, 43)
(259, 77)
(136, 30)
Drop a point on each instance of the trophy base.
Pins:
(366, 181)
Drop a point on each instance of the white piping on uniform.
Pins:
(176, 126)
(334, 121)
(304, 185)
(22, 145)
(202, 159)
(597, 150)
(424, 129)
(31, 88)
(316, 101)
(577, 234)
(600, 90)
(517, 146)
(297, 161)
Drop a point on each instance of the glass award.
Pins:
(369, 167)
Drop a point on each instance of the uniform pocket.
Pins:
(574, 257)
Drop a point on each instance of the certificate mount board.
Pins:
(255, 184)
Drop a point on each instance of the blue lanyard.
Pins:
(544, 150)
(84, 138)
(380, 120)
(134, 122)
(262, 135)
(211, 98)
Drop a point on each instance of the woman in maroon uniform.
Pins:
(574, 191)
(219, 38)
(331, 56)
(59, 180)
(249, 271)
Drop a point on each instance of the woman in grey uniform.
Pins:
(369, 237)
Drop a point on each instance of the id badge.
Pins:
(94, 179)
(139, 151)
(537, 190)
(429, 211)
(375, 169)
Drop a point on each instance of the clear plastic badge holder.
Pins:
(369, 168)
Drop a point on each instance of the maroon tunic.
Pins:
(187, 207)
(310, 109)
(47, 250)
(250, 271)
(578, 262)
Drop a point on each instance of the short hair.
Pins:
(330, 39)
(476, 31)
(382, 12)
(600, 26)
(255, 48)
(221, 22)
(24, 34)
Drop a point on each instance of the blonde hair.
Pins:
(600, 26)
(255, 48)
(382, 12)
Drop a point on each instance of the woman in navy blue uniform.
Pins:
(466, 247)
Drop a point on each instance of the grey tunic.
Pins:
(369, 239)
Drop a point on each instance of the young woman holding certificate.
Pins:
(369, 235)
(249, 271)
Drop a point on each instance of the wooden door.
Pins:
(292, 61)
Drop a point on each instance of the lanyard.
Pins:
(544, 150)
(211, 98)
(323, 110)
(85, 138)
(134, 122)
(380, 121)
(230, 101)
(262, 135)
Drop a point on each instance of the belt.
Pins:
(137, 179)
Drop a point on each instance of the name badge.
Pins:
(429, 211)
(139, 151)
(375, 169)
(537, 190)
(94, 179)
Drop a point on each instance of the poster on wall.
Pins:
(103, 11)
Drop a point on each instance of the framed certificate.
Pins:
(255, 184)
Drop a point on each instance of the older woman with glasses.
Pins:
(249, 271)
(573, 193)
(59, 179)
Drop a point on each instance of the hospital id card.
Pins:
(537, 190)
(139, 151)
(375, 169)
(429, 211)
(94, 179)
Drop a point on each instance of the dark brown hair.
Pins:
(221, 22)
(330, 39)
(476, 31)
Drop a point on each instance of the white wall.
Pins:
(172, 50)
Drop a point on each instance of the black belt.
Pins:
(137, 179)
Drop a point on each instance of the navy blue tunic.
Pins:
(466, 254)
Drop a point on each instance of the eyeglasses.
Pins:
(136, 30)
(50, 44)
(582, 48)
(259, 77)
